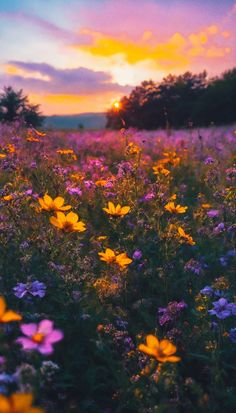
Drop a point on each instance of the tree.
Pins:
(178, 101)
(14, 105)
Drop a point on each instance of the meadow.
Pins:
(117, 271)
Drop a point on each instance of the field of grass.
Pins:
(117, 271)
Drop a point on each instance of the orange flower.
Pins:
(18, 403)
(178, 209)
(6, 316)
(162, 350)
(110, 257)
(31, 138)
(48, 204)
(8, 197)
(101, 182)
(160, 170)
(69, 152)
(185, 236)
(116, 211)
(68, 223)
(10, 148)
(206, 206)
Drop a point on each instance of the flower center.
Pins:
(68, 227)
(38, 337)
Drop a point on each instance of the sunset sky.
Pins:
(75, 56)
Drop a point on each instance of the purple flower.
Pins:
(171, 312)
(148, 197)
(89, 184)
(194, 266)
(224, 261)
(232, 335)
(209, 160)
(39, 337)
(222, 309)
(207, 290)
(213, 213)
(219, 228)
(34, 288)
(137, 255)
(74, 191)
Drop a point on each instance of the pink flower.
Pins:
(39, 337)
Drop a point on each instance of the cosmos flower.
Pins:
(34, 288)
(7, 316)
(161, 350)
(117, 210)
(48, 204)
(68, 223)
(18, 403)
(39, 337)
(175, 209)
(186, 237)
(110, 257)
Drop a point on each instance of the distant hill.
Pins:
(87, 120)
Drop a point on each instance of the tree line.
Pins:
(178, 102)
(14, 105)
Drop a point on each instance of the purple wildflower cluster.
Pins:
(170, 313)
(35, 288)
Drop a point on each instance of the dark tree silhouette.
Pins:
(178, 101)
(14, 105)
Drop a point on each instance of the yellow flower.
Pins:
(110, 257)
(116, 211)
(67, 152)
(160, 170)
(8, 198)
(175, 209)
(101, 238)
(39, 133)
(10, 148)
(77, 177)
(206, 206)
(185, 236)
(2, 155)
(132, 149)
(18, 403)
(101, 182)
(68, 223)
(7, 316)
(31, 138)
(162, 350)
(48, 204)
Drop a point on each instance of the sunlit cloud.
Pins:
(177, 52)
(96, 51)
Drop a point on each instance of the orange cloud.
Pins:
(176, 52)
(165, 53)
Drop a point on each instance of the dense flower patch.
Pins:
(117, 271)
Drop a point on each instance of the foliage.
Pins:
(14, 105)
(178, 101)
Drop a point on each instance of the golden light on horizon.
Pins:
(116, 105)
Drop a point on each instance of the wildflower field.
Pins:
(117, 271)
